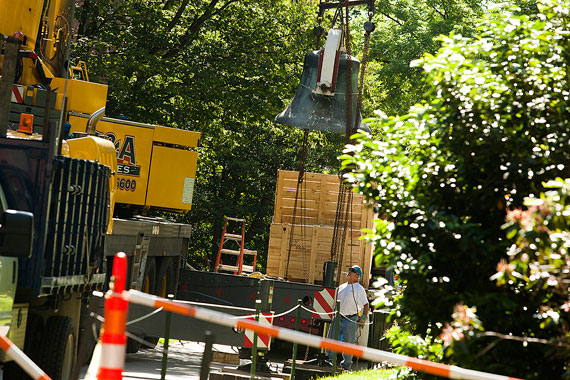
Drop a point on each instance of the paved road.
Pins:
(184, 359)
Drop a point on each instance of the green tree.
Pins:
(224, 68)
(493, 127)
(538, 259)
(406, 30)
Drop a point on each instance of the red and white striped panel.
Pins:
(263, 340)
(324, 303)
(17, 94)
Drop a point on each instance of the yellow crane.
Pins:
(87, 180)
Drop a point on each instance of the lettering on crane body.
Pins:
(126, 161)
(128, 169)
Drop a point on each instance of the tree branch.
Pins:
(524, 339)
(440, 13)
(194, 28)
(487, 349)
(177, 16)
(168, 4)
(392, 18)
(445, 12)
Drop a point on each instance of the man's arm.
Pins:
(366, 307)
(364, 315)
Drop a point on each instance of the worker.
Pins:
(353, 311)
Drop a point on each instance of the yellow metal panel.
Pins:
(176, 136)
(102, 151)
(78, 124)
(85, 97)
(165, 183)
(172, 178)
(133, 147)
(65, 149)
(21, 16)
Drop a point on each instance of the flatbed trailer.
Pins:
(236, 295)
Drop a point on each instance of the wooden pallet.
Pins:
(310, 238)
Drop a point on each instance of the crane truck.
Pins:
(74, 188)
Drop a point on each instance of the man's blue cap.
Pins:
(357, 269)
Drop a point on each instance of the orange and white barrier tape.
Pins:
(438, 369)
(113, 338)
(22, 360)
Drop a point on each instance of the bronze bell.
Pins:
(312, 110)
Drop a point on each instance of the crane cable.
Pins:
(344, 205)
(300, 183)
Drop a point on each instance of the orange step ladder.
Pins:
(239, 239)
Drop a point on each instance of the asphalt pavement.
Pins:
(184, 361)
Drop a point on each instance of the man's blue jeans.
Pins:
(347, 328)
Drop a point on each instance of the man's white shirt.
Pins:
(352, 298)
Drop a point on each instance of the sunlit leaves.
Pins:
(492, 128)
(406, 30)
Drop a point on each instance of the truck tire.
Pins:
(57, 354)
(33, 340)
(133, 346)
(87, 341)
(12, 371)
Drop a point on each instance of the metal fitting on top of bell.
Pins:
(313, 111)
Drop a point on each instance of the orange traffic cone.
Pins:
(113, 338)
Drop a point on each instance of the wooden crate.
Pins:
(309, 239)
(317, 201)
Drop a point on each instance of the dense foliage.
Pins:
(406, 31)
(224, 68)
(493, 128)
(538, 260)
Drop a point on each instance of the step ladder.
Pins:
(229, 239)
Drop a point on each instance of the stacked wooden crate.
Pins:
(309, 237)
